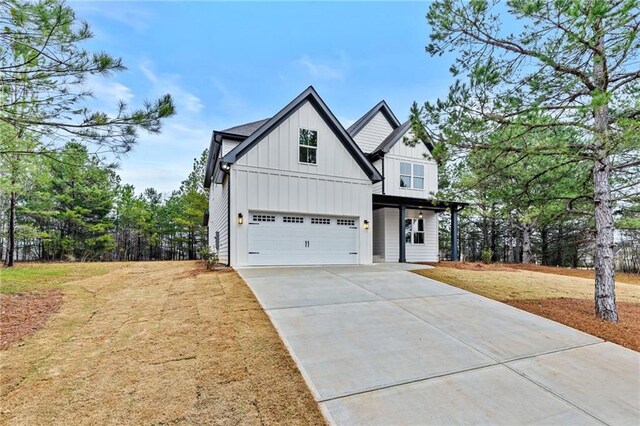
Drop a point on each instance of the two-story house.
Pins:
(300, 189)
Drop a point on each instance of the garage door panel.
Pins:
(288, 239)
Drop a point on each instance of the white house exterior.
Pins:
(299, 189)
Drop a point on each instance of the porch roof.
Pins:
(382, 200)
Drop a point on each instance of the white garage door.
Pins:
(290, 239)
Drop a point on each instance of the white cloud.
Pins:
(133, 15)
(107, 91)
(324, 69)
(170, 83)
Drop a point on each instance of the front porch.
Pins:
(406, 229)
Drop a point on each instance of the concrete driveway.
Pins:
(381, 345)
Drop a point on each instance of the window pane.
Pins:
(418, 170)
(405, 181)
(311, 153)
(308, 137)
(408, 223)
(405, 168)
(418, 183)
(418, 238)
(303, 155)
(420, 225)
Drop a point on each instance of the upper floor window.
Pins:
(411, 175)
(308, 146)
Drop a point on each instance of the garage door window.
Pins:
(293, 219)
(320, 221)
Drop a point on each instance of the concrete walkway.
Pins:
(381, 345)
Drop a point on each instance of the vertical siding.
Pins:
(427, 252)
(391, 242)
(279, 149)
(377, 187)
(401, 152)
(378, 229)
(218, 213)
(269, 178)
(259, 190)
(373, 133)
(228, 145)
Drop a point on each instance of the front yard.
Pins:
(148, 343)
(561, 294)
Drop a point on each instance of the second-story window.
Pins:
(308, 146)
(411, 176)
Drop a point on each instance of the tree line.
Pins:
(72, 206)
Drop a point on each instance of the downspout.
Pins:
(229, 218)
(383, 193)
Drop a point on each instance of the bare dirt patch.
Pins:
(155, 343)
(578, 313)
(24, 313)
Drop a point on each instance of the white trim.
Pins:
(412, 176)
(308, 146)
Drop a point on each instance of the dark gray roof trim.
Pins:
(392, 139)
(312, 96)
(382, 107)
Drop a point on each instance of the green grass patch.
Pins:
(39, 276)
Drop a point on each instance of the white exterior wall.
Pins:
(270, 178)
(373, 133)
(378, 228)
(401, 152)
(218, 211)
(227, 145)
(388, 218)
(377, 187)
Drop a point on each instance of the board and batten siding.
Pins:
(269, 178)
(427, 252)
(228, 145)
(218, 222)
(377, 187)
(378, 228)
(372, 135)
(400, 153)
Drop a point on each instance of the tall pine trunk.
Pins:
(11, 230)
(605, 297)
(526, 243)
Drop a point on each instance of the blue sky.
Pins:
(235, 62)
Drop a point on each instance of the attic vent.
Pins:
(263, 218)
(292, 219)
(320, 221)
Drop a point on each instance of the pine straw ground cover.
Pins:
(154, 343)
(561, 294)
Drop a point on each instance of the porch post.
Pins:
(454, 233)
(402, 241)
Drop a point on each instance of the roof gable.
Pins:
(380, 107)
(312, 97)
(392, 139)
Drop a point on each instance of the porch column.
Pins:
(454, 233)
(403, 257)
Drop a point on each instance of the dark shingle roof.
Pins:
(245, 129)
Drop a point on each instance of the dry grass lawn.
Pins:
(154, 343)
(560, 294)
(502, 282)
